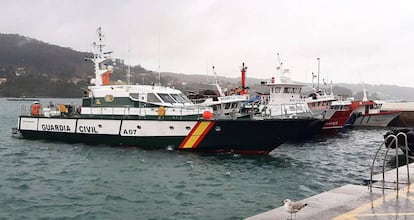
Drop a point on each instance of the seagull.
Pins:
(293, 207)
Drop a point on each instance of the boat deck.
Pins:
(356, 202)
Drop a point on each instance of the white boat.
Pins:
(226, 106)
(319, 103)
(284, 99)
(326, 105)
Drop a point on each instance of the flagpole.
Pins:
(319, 63)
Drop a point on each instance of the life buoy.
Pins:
(161, 111)
(62, 108)
(207, 115)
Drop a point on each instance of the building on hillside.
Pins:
(3, 80)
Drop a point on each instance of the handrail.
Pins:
(393, 142)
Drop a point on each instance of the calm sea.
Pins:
(48, 180)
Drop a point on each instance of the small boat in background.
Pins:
(326, 105)
(226, 105)
(336, 112)
(369, 113)
(345, 112)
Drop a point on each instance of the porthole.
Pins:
(187, 127)
(109, 98)
(139, 127)
(171, 127)
(100, 126)
(217, 128)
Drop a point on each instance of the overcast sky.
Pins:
(357, 41)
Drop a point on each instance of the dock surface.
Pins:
(357, 202)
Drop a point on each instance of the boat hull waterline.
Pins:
(236, 136)
(337, 121)
(381, 119)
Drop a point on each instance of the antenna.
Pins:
(129, 55)
(319, 65)
(215, 75)
(159, 58)
(279, 64)
(332, 88)
(207, 78)
(313, 77)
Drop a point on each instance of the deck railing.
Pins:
(114, 112)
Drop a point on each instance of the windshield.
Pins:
(166, 98)
(151, 97)
(186, 99)
(178, 98)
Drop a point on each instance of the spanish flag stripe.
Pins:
(191, 141)
(205, 132)
(197, 134)
(190, 134)
(201, 128)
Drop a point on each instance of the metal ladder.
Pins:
(394, 142)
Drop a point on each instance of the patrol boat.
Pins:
(151, 117)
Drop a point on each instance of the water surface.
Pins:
(44, 179)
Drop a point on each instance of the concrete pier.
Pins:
(356, 202)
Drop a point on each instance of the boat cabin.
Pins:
(284, 97)
(138, 101)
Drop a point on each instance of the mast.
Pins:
(129, 70)
(220, 91)
(159, 59)
(102, 60)
(129, 55)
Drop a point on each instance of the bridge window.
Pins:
(134, 95)
(277, 90)
(151, 97)
(166, 98)
(178, 98)
(185, 98)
